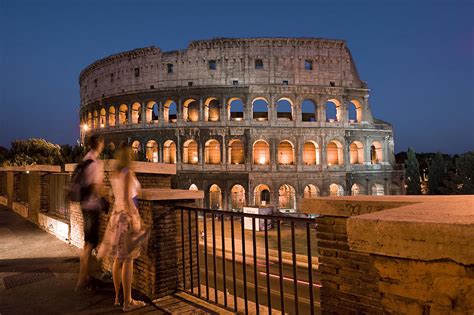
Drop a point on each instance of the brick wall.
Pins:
(348, 278)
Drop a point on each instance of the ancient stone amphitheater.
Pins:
(251, 121)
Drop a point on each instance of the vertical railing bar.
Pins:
(216, 298)
(234, 283)
(197, 253)
(295, 279)
(280, 268)
(255, 265)
(267, 263)
(223, 261)
(205, 256)
(190, 251)
(182, 249)
(244, 265)
(310, 268)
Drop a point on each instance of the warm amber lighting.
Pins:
(85, 127)
(261, 160)
(238, 119)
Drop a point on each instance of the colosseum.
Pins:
(250, 121)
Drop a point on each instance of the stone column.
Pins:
(223, 111)
(161, 117)
(143, 108)
(201, 110)
(179, 110)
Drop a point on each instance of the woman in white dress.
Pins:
(123, 234)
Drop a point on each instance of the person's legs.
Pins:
(117, 277)
(127, 276)
(84, 264)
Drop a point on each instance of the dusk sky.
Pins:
(417, 56)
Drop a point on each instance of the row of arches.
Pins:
(212, 111)
(286, 195)
(260, 152)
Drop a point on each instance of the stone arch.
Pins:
(311, 191)
(236, 152)
(284, 109)
(261, 152)
(152, 151)
(336, 190)
(260, 109)
(310, 153)
(354, 109)
(170, 111)
(356, 153)
(309, 111)
(261, 195)
(193, 187)
(212, 109)
(102, 117)
(287, 197)
(286, 153)
(136, 113)
(212, 152)
(376, 152)
(357, 189)
(237, 197)
(190, 152)
(169, 152)
(123, 114)
(136, 150)
(89, 120)
(152, 112)
(215, 197)
(96, 119)
(335, 153)
(235, 109)
(112, 116)
(333, 110)
(191, 110)
(395, 189)
(111, 148)
(377, 189)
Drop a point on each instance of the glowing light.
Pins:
(238, 119)
(102, 125)
(331, 120)
(261, 160)
(85, 127)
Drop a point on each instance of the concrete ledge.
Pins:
(434, 228)
(170, 194)
(31, 168)
(54, 225)
(4, 201)
(20, 208)
(137, 167)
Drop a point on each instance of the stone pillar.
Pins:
(10, 188)
(161, 117)
(223, 111)
(34, 196)
(179, 111)
(143, 117)
(248, 113)
(201, 110)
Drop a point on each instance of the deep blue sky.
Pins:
(417, 56)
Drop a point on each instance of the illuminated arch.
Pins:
(376, 153)
(152, 112)
(237, 197)
(212, 152)
(191, 110)
(336, 190)
(123, 114)
(170, 111)
(136, 150)
(377, 189)
(260, 109)
(261, 195)
(190, 152)
(333, 110)
(356, 153)
(236, 152)
(261, 153)
(287, 197)
(284, 107)
(311, 191)
(102, 117)
(169, 152)
(212, 109)
(215, 197)
(112, 116)
(235, 109)
(357, 189)
(136, 113)
(286, 153)
(310, 153)
(334, 152)
(152, 151)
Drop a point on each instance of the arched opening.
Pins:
(193, 187)
(262, 195)
(261, 153)
(170, 111)
(260, 109)
(123, 114)
(376, 156)
(169, 152)
(190, 152)
(334, 153)
(285, 153)
(377, 190)
(102, 117)
(357, 190)
(236, 152)
(311, 191)
(284, 109)
(333, 110)
(212, 152)
(287, 197)
(308, 111)
(354, 109)
(310, 153)
(152, 112)
(395, 189)
(152, 151)
(112, 116)
(236, 109)
(111, 149)
(96, 120)
(89, 120)
(136, 150)
(136, 113)
(336, 190)
(212, 109)
(237, 197)
(356, 152)
(215, 197)
(191, 110)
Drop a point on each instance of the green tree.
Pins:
(437, 175)
(33, 151)
(412, 173)
(465, 172)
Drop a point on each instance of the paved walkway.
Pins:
(38, 273)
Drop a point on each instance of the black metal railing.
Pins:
(270, 264)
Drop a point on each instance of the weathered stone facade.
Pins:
(201, 108)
